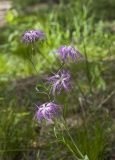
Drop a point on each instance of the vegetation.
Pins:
(88, 109)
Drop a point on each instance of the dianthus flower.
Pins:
(47, 111)
(32, 36)
(69, 52)
(59, 81)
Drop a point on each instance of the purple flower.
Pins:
(47, 111)
(68, 52)
(60, 81)
(32, 36)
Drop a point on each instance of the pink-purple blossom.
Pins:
(48, 111)
(59, 81)
(32, 36)
(69, 53)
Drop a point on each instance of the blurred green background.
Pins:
(89, 25)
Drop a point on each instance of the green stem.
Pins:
(30, 59)
(87, 68)
(63, 140)
(79, 152)
(62, 65)
(41, 92)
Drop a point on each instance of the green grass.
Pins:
(91, 31)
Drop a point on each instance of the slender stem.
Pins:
(65, 126)
(63, 140)
(42, 92)
(87, 67)
(62, 65)
(67, 130)
(71, 150)
(30, 59)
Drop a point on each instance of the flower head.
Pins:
(32, 36)
(60, 81)
(68, 52)
(47, 111)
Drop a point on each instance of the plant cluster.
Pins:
(61, 80)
